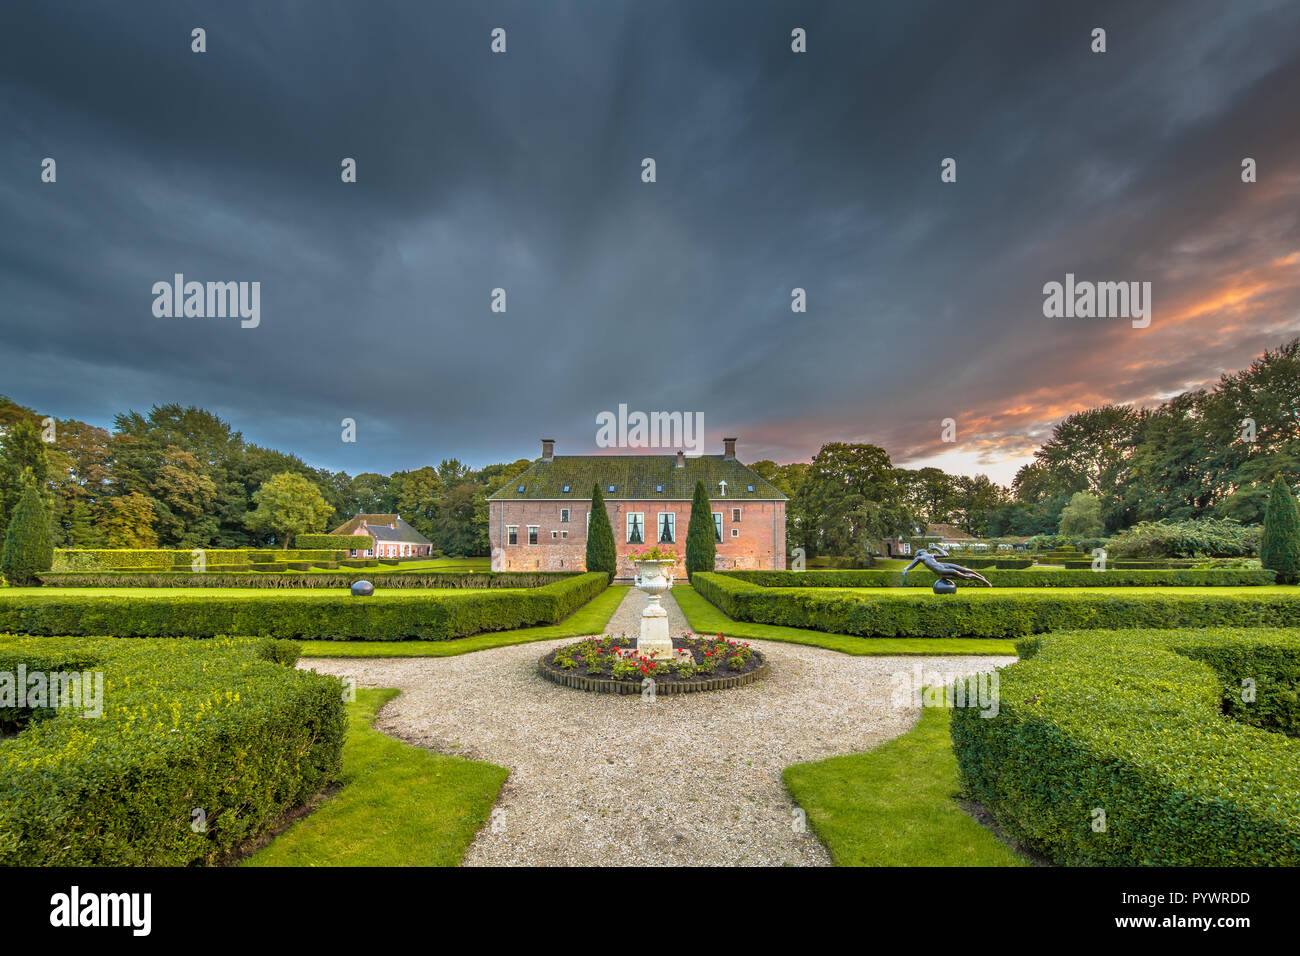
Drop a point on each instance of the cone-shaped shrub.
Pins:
(601, 555)
(1279, 549)
(701, 545)
(29, 546)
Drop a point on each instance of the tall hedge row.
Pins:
(331, 542)
(388, 616)
(317, 579)
(1170, 577)
(1130, 731)
(987, 612)
(220, 727)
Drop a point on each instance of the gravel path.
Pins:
(598, 779)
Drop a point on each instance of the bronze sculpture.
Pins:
(944, 571)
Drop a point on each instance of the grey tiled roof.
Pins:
(636, 476)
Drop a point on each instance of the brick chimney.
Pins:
(729, 449)
(681, 459)
(548, 449)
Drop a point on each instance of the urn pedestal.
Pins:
(654, 579)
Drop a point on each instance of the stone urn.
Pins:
(654, 578)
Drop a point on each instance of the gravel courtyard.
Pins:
(599, 779)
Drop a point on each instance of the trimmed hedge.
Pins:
(985, 612)
(219, 725)
(161, 559)
(316, 580)
(1134, 723)
(1173, 577)
(340, 542)
(300, 614)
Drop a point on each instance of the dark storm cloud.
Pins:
(522, 171)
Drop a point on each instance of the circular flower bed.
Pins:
(611, 665)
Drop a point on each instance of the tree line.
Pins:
(182, 477)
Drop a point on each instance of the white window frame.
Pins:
(672, 525)
(735, 532)
(564, 515)
(719, 522)
(627, 526)
(735, 516)
(512, 531)
(534, 534)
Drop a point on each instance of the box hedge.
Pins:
(1029, 578)
(329, 542)
(390, 615)
(984, 612)
(342, 578)
(220, 726)
(1151, 728)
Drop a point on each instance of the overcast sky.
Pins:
(522, 170)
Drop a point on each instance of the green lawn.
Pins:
(400, 805)
(433, 564)
(704, 618)
(588, 619)
(894, 806)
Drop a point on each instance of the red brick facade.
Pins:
(755, 542)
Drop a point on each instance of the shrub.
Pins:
(302, 614)
(701, 544)
(345, 542)
(1279, 549)
(28, 544)
(1208, 537)
(601, 555)
(876, 612)
(211, 725)
(1133, 723)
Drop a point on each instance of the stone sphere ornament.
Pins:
(944, 586)
(363, 589)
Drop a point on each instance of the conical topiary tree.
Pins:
(29, 546)
(601, 555)
(1279, 549)
(701, 544)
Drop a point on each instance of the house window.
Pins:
(512, 534)
(521, 489)
(566, 489)
(659, 488)
(735, 514)
(554, 535)
(735, 532)
(611, 489)
(635, 527)
(532, 534)
(667, 527)
(564, 514)
(564, 534)
(750, 489)
(717, 526)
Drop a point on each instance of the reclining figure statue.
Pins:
(942, 569)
